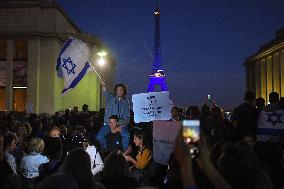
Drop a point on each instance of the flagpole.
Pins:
(93, 69)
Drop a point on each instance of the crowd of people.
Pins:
(106, 149)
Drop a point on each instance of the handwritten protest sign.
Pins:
(164, 134)
(151, 106)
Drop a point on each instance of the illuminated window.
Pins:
(20, 67)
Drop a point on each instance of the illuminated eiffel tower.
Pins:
(157, 77)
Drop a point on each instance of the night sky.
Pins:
(204, 43)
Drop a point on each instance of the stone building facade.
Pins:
(265, 69)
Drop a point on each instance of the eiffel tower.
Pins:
(157, 77)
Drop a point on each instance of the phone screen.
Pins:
(191, 135)
(191, 131)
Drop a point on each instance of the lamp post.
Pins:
(101, 63)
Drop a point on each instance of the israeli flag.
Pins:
(73, 63)
(270, 126)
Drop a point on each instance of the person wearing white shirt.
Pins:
(31, 162)
(97, 164)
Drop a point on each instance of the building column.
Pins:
(257, 80)
(263, 78)
(276, 73)
(281, 64)
(269, 70)
(33, 75)
(9, 75)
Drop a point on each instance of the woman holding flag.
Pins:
(116, 104)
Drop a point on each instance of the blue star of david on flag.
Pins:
(71, 70)
(274, 118)
(73, 63)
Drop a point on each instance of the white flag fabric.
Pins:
(151, 106)
(73, 63)
(270, 126)
(164, 134)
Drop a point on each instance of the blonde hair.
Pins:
(36, 145)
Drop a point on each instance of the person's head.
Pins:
(54, 132)
(32, 118)
(205, 110)
(116, 166)
(67, 111)
(19, 130)
(216, 113)
(259, 102)
(56, 114)
(77, 164)
(53, 148)
(37, 126)
(273, 97)
(193, 113)
(78, 140)
(175, 112)
(113, 122)
(36, 145)
(63, 129)
(120, 90)
(10, 142)
(28, 128)
(75, 109)
(249, 96)
(139, 138)
(85, 107)
(249, 140)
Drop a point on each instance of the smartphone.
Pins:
(209, 97)
(191, 135)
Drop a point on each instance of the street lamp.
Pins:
(101, 63)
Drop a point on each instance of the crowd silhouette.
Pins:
(84, 149)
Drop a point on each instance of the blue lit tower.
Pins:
(157, 76)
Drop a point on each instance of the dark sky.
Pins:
(204, 43)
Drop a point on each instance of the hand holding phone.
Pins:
(191, 135)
